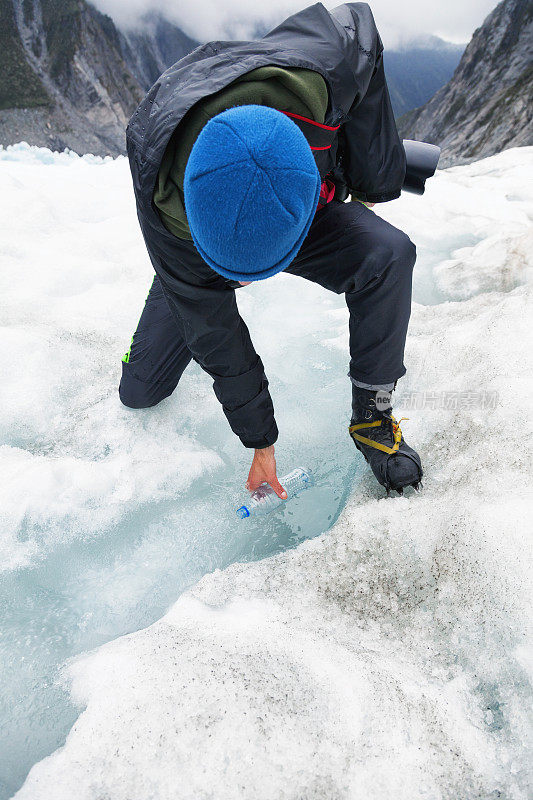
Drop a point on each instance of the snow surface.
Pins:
(388, 658)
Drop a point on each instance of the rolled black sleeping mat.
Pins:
(422, 159)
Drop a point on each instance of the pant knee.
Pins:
(134, 393)
(403, 250)
(133, 399)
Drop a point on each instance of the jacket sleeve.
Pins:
(371, 153)
(220, 342)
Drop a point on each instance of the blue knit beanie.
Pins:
(251, 190)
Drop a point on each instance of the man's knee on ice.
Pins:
(133, 399)
(135, 393)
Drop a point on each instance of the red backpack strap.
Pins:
(319, 136)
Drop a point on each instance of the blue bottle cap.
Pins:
(243, 512)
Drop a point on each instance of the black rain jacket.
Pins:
(366, 154)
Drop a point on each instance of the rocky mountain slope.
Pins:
(71, 79)
(154, 46)
(487, 105)
(414, 73)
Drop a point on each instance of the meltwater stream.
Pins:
(110, 513)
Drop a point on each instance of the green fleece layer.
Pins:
(301, 91)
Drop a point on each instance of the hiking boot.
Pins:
(379, 438)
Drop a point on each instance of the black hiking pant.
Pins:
(349, 249)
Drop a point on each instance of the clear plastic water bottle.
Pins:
(265, 499)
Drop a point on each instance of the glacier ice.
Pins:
(388, 658)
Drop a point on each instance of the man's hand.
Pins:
(264, 469)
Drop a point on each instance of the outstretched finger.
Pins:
(278, 488)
